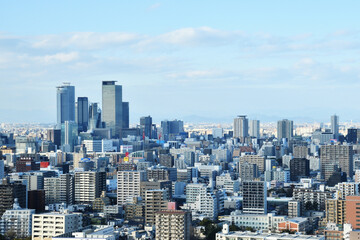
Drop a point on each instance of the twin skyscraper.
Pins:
(114, 115)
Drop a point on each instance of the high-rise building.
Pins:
(254, 128)
(112, 107)
(128, 185)
(65, 104)
(299, 167)
(253, 159)
(54, 135)
(82, 114)
(8, 193)
(94, 116)
(173, 224)
(241, 128)
(334, 157)
(60, 189)
(300, 151)
(155, 200)
(126, 115)
(254, 197)
(69, 135)
(285, 129)
(89, 186)
(146, 126)
(148, 185)
(170, 129)
(335, 126)
(353, 135)
(2, 173)
(352, 209)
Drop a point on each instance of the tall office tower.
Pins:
(126, 115)
(54, 135)
(112, 107)
(69, 136)
(254, 197)
(285, 129)
(254, 128)
(8, 193)
(300, 151)
(65, 104)
(334, 157)
(83, 114)
(94, 116)
(155, 200)
(145, 126)
(299, 167)
(173, 224)
(17, 220)
(128, 185)
(335, 126)
(241, 128)
(88, 186)
(170, 129)
(48, 225)
(60, 189)
(352, 135)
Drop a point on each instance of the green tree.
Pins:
(234, 228)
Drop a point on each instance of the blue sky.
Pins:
(193, 60)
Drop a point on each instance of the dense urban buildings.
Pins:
(94, 175)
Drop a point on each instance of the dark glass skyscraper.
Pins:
(126, 120)
(65, 104)
(83, 114)
(145, 126)
(112, 107)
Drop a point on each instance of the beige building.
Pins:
(47, 225)
(172, 224)
(155, 200)
(254, 159)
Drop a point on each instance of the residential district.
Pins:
(93, 176)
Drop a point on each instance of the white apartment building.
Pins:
(48, 225)
(128, 185)
(265, 222)
(17, 220)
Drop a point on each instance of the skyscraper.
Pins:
(82, 114)
(145, 126)
(69, 134)
(254, 197)
(112, 107)
(94, 116)
(335, 126)
(125, 120)
(254, 130)
(241, 128)
(170, 129)
(65, 103)
(285, 129)
(334, 157)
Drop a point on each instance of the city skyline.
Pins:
(267, 62)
